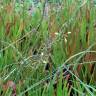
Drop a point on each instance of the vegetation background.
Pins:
(47, 47)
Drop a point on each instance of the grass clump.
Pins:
(47, 48)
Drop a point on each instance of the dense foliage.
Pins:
(47, 48)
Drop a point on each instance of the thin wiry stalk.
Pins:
(10, 74)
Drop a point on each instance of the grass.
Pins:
(47, 49)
